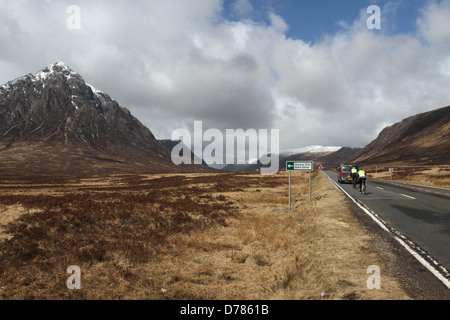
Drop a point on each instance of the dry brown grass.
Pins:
(199, 236)
(433, 176)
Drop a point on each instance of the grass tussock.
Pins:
(199, 236)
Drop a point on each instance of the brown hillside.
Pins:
(423, 139)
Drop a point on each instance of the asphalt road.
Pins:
(419, 216)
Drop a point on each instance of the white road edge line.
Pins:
(405, 195)
(425, 263)
(430, 268)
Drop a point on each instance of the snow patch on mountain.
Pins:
(94, 89)
(58, 66)
(309, 149)
(41, 75)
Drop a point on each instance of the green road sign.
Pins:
(299, 166)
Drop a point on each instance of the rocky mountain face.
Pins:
(52, 122)
(418, 140)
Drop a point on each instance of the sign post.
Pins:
(307, 166)
(390, 171)
(310, 186)
(289, 190)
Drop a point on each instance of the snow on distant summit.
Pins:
(309, 149)
(42, 75)
(59, 67)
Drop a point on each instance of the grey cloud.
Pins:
(173, 62)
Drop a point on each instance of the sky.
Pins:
(314, 70)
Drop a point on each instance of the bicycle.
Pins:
(363, 187)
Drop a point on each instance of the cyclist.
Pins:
(361, 176)
(354, 173)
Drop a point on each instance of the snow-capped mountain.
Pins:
(52, 121)
(308, 149)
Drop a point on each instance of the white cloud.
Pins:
(278, 23)
(434, 23)
(173, 62)
(243, 7)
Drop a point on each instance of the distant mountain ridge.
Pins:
(421, 139)
(52, 122)
(329, 157)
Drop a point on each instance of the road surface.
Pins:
(418, 217)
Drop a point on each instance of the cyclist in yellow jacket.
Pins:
(361, 175)
(354, 173)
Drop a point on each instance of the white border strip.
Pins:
(425, 263)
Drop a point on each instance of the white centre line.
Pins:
(380, 188)
(405, 195)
